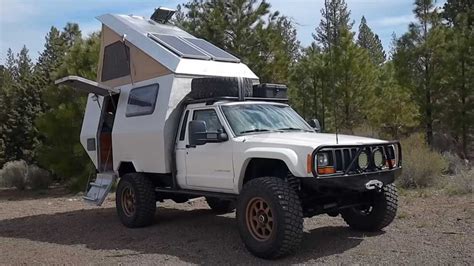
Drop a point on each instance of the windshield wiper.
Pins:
(255, 130)
(293, 129)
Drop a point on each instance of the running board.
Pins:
(99, 189)
(197, 193)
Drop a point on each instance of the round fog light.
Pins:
(363, 160)
(379, 159)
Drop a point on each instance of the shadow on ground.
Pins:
(195, 236)
(12, 194)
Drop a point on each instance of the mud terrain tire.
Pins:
(285, 212)
(220, 206)
(203, 88)
(383, 211)
(135, 200)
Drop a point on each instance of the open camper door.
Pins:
(96, 133)
(93, 113)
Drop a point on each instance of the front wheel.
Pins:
(377, 215)
(270, 217)
(135, 200)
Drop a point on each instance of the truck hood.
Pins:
(308, 139)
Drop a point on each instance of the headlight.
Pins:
(322, 160)
(363, 160)
(379, 158)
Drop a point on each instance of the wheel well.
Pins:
(126, 168)
(259, 167)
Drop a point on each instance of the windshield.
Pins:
(250, 118)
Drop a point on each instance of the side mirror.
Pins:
(314, 123)
(198, 134)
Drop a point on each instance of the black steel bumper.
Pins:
(355, 182)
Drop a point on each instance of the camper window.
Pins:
(116, 61)
(141, 101)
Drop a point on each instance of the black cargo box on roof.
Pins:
(268, 90)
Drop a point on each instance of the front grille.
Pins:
(340, 157)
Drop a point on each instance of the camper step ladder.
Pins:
(99, 189)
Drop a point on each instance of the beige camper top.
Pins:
(135, 49)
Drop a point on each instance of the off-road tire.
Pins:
(145, 200)
(384, 209)
(203, 88)
(287, 214)
(220, 206)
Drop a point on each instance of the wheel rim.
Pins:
(128, 201)
(259, 219)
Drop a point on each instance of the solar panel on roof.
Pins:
(216, 52)
(179, 46)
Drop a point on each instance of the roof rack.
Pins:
(210, 101)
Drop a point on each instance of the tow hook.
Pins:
(373, 184)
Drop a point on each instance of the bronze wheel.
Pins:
(259, 218)
(128, 201)
(135, 200)
(270, 217)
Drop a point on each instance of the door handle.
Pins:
(190, 146)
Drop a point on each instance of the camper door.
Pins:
(92, 122)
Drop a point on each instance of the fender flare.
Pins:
(288, 156)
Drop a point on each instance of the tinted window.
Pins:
(116, 61)
(141, 101)
(183, 126)
(210, 117)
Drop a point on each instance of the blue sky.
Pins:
(25, 22)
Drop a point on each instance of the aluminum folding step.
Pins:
(99, 189)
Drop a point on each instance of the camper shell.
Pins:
(175, 117)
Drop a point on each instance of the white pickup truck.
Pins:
(188, 127)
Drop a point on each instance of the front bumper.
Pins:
(354, 182)
(348, 176)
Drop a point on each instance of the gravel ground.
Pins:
(60, 228)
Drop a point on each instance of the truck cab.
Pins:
(172, 116)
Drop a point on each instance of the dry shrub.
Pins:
(462, 183)
(38, 178)
(14, 174)
(422, 167)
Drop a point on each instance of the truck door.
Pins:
(209, 166)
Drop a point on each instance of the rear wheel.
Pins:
(220, 206)
(377, 215)
(270, 217)
(135, 200)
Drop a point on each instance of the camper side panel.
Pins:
(140, 138)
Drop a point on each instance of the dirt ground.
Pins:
(60, 228)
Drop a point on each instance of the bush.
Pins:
(462, 183)
(422, 167)
(38, 178)
(14, 174)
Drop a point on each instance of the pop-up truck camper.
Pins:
(172, 116)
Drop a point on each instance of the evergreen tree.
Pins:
(371, 42)
(335, 21)
(458, 73)
(418, 62)
(61, 124)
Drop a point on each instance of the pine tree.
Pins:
(458, 73)
(349, 77)
(371, 42)
(61, 124)
(418, 62)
